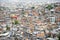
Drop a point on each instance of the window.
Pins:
(52, 19)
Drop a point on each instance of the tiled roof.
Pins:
(57, 9)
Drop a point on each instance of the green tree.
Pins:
(59, 36)
(7, 27)
(49, 7)
(33, 7)
(16, 22)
